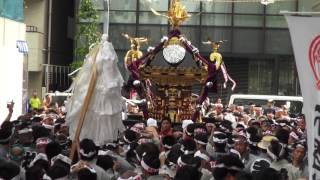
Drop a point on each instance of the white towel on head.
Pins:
(185, 123)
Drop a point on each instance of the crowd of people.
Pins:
(232, 143)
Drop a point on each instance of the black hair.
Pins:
(130, 135)
(105, 162)
(168, 140)
(201, 137)
(153, 161)
(42, 164)
(40, 131)
(188, 159)
(5, 134)
(87, 145)
(267, 174)
(7, 125)
(59, 169)
(275, 147)
(190, 129)
(86, 174)
(220, 147)
(131, 155)
(187, 173)
(8, 170)
(283, 135)
(149, 148)
(189, 145)
(52, 149)
(244, 176)
(227, 161)
(34, 173)
(174, 155)
(252, 130)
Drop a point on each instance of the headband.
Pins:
(148, 168)
(200, 142)
(103, 153)
(294, 135)
(136, 177)
(90, 169)
(300, 146)
(220, 141)
(222, 165)
(180, 163)
(26, 130)
(46, 177)
(48, 126)
(61, 157)
(273, 156)
(112, 145)
(88, 155)
(167, 146)
(126, 140)
(38, 157)
(202, 155)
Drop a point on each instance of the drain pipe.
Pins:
(49, 45)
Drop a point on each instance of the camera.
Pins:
(10, 103)
(27, 159)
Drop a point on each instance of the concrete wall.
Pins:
(36, 14)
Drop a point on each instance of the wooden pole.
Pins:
(92, 83)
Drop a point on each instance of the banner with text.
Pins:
(305, 37)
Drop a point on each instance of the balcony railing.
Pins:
(32, 29)
(56, 77)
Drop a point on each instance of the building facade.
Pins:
(50, 38)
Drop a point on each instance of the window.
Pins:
(145, 5)
(278, 42)
(216, 34)
(191, 6)
(216, 19)
(248, 8)
(248, 41)
(275, 8)
(121, 17)
(118, 41)
(260, 76)
(217, 7)
(123, 5)
(248, 20)
(286, 76)
(153, 33)
(150, 18)
(276, 21)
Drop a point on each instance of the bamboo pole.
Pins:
(93, 79)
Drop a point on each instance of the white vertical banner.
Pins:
(305, 37)
(11, 69)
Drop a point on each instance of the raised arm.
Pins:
(10, 111)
